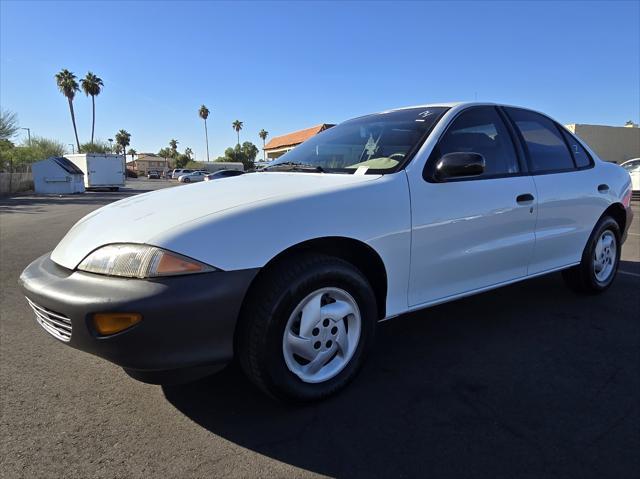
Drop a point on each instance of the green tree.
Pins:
(204, 114)
(189, 152)
(92, 85)
(237, 126)
(123, 139)
(98, 146)
(8, 125)
(40, 149)
(132, 152)
(68, 86)
(246, 154)
(263, 134)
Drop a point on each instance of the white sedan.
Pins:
(193, 177)
(290, 269)
(633, 167)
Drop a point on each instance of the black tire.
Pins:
(186, 180)
(582, 278)
(267, 309)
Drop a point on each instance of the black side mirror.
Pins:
(456, 165)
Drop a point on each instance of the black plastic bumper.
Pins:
(188, 322)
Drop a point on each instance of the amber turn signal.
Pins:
(112, 323)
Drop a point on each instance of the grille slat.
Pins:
(57, 325)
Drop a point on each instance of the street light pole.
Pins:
(110, 144)
(28, 133)
(73, 148)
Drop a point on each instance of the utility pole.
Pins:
(110, 145)
(73, 148)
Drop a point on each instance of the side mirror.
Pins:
(456, 165)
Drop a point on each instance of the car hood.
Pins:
(140, 218)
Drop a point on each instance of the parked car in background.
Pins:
(222, 174)
(193, 177)
(175, 174)
(633, 167)
(378, 216)
(153, 175)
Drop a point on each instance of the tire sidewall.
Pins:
(336, 275)
(607, 223)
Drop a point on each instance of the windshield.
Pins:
(378, 143)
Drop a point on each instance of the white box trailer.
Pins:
(101, 170)
(213, 166)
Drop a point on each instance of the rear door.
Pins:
(474, 232)
(105, 170)
(571, 197)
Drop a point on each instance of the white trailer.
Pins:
(101, 170)
(213, 166)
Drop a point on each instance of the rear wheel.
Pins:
(307, 327)
(600, 259)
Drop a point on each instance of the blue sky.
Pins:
(284, 66)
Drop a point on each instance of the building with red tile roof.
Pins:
(279, 145)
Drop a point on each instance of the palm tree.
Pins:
(132, 152)
(173, 144)
(237, 125)
(263, 134)
(204, 114)
(92, 85)
(68, 86)
(188, 151)
(123, 139)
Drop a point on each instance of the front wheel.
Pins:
(599, 263)
(307, 327)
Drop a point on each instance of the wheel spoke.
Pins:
(303, 347)
(320, 360)
(342, 339)
(337, 310)
(310, 315)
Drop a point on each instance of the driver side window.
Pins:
(481, 130)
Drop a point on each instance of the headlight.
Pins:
(139, 261)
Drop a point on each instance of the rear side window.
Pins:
(481, 130)
(547, 149)
(580, 155)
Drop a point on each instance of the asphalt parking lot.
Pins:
(527, 381)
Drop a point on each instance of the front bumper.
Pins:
(188, 322)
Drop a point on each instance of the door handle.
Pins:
(525, 198)
(603, 188)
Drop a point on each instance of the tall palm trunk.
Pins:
(206, 135)
(73, 120)
(264, 153)
(93, 122)
(238, 132)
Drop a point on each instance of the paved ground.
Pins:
(528, 381)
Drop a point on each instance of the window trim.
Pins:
(532, 171)
(564, 132)
(427, 171)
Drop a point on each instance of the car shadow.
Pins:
(525, 381)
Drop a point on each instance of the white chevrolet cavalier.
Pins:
(290, 269)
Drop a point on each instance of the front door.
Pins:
(471, 233)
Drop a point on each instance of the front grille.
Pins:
(57, 325)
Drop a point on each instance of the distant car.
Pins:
(153, 175)
(175, 174)
(633, 167)
(223, 174)
(193, 177)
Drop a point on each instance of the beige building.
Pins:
(611, 143)
(146, 162)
